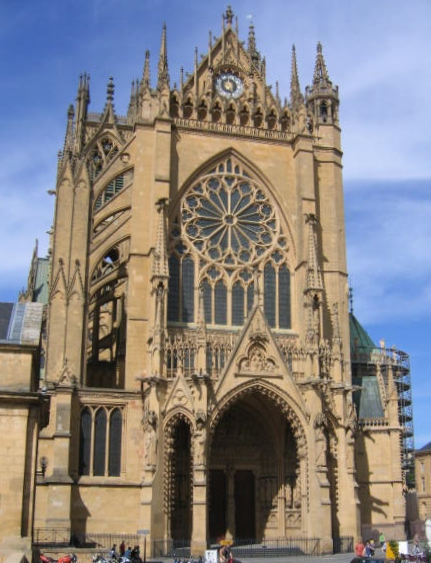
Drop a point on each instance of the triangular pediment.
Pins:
(180, 396)
(256, 356)
(228, 56)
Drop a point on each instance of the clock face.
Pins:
(229, 85)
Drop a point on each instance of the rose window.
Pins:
(230, 220)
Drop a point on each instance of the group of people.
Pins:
(365, 550)
(129, 553)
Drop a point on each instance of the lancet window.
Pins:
(100, 441)
(226, 236)
(115, 186)
(104, 151)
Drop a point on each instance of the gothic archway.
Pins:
(254, 481)
(178, 495)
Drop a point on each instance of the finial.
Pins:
(110, 90)
(351, 299)
(228, 16)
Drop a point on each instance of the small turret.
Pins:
(322, 97)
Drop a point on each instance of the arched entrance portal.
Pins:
(180, 482)
(253, 477)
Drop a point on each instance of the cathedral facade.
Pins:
(198, 355)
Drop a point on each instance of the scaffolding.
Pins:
(366, 362)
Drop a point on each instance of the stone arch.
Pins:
(276, 398)
(256, 173)
(253, 444)
(178, 418)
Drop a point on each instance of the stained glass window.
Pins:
(100, 442)
(188, 279)
(174, 287)
(284, 320)
(103, 426)
(227, 225)
(115, 432)
(238, 304)
(220, 304)
(85, 443)
(269, 293)
(228, 219)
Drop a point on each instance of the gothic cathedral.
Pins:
(198, 353)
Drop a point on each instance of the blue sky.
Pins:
(377, 51)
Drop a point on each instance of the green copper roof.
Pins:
(367, 399)
(359, 337)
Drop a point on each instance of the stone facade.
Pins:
(423, 482)
(198, 353)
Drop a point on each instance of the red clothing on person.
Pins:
(359, 549)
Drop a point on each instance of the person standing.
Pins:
(122, 548)
(359, 548)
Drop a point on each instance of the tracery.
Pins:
(227, 233)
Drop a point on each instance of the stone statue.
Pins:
(200, 442)
(151, 441)
(320, 446)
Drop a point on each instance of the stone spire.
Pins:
(110, 91)
(163, 74)
(146, 80)
(321, 77)
(69, 138)
(296, 98)
(82, 103)
(251, 46)
(109, 105)
(134, 100)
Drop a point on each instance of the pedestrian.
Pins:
(359, 548)
(122, 548)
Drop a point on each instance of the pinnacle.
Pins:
(228, 16)
(110, 90)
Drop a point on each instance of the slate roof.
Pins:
(425, 448)
(20, 323)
